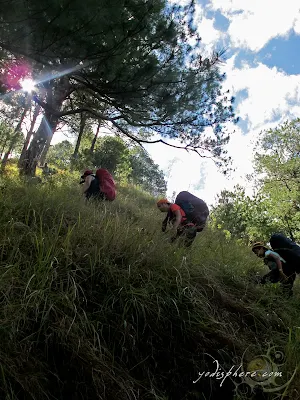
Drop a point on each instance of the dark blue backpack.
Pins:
(287, 249)
(195, 209)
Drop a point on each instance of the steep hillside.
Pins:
(96, 304)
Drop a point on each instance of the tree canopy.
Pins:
(135, 64)
(129, 163)
(275, 204)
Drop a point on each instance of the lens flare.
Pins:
(28, 85)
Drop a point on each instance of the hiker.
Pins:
(188, 216)
(100, 186)
(46, 169)
(281, 270)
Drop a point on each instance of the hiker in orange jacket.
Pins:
(177, 218)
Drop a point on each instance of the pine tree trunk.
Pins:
(55, 96)
(14, 138)
(95, 138)
(40, 138)
(45, 150)
(29, 134)
(81, 130)
(3, 148)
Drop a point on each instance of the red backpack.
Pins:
(106, 183)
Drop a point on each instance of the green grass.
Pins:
(94, 307)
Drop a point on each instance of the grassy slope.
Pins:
(92, 307)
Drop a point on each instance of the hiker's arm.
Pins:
(164, 224)
(278, 263)
(86, 184)
(177, 220)
(176, 224)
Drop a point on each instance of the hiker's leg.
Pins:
(101, 196)
(190, 233)
(97, 196)
(270, 277)
(187, 234)
(180, 231)
(287, 285)
(287, 288)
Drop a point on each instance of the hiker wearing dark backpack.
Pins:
(188, 216)
(100, 185)
(196, 209)
(281, 270)
(177, 218)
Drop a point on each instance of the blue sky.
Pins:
(280, 52)
(263, 72)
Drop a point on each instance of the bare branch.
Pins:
(139, 141)
(187, 147)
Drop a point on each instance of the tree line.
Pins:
(275, 203)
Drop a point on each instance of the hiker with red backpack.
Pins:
(187, 216)
(283, 261)
(100, 186)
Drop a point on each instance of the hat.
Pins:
(86, 173)
(257, 245)
(163, 201)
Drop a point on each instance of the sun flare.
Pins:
(28, 85)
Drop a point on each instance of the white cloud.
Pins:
(270, 92)
(187, 171)
(254, 22)
(205, 27)
(189, 168)
(297, 26)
